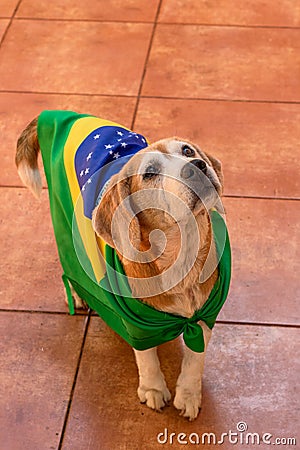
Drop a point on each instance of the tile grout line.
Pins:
(145, 66)
(260, 197)
(153, 97)
(74, 383)
(16, 186)
(248, 197)
(38, 311)
(258, 324)
(76, 94)
(225, 100)
(231, 25)
(193, 24)
(92, 314)
(10, 22)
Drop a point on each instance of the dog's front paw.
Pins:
(188, 402)
(154, 398)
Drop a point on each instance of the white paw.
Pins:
(154, 398)
(78, 302)
(188, 402)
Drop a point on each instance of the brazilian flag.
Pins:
(80, 154)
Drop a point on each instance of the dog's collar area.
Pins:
(144, 327)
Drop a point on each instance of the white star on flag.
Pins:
(108, 146)
(89, 181)
(124, 144)
(120, 133)
(116, 155)
(143, 140)
(110, 152)
(96, 136)
(119, 140)
(86, 170)
(89, 156)
(137, 136)
(81, 173)
(83, 188)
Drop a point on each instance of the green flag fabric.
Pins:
(75, 149)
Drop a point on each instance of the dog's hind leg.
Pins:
(78, 302)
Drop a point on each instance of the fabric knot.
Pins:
(193, 336)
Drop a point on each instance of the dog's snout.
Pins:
(188, 171)
(200, 164)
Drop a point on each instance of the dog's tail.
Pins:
(26, 159)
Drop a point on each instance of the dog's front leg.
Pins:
(152, 388)
(189, 384)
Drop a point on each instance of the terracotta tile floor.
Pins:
(222, 73)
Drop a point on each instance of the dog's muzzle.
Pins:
(195, 175)
(192, 170)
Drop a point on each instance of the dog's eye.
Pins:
(150, 172)
(188, 151)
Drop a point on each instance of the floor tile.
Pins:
(224, 63)
(243, 381)
(7, 7)
(30, 277)
(252, 366)
(3, 26)
(230, 12)
(127, 10)
(39, 355)
(17, 110)
(74, 57)
(257, 142)
(265, 236)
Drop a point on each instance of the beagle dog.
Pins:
(154, 210)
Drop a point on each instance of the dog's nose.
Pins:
(188, 171)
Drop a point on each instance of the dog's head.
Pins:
(154, 189)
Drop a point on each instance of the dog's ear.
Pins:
(217, 166)
(123, 229)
